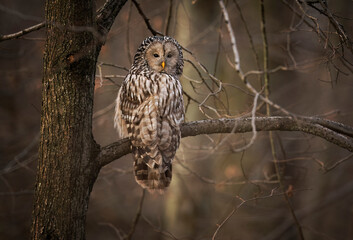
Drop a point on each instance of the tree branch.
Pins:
(243, 201)
(114, 151)
(241, 125)
(107, 14)
(104, 19)
(147, 21)
(22, 32)
(137, 216)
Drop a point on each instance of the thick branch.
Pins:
(113, 151)
(240, 125)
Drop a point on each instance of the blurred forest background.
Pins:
(311, 74)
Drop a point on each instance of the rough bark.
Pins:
(66, 167)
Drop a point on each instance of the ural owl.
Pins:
(149, 110)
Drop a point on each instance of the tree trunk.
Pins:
(66, 168)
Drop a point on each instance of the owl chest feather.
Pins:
(149, 102)
(141, 87)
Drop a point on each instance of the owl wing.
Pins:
(136, 113)
(127, 104)
(119, 122)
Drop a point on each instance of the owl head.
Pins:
(160, 54)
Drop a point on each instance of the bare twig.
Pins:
(333, 197)
(248, 33)
(18, 165)
(226, 182)
(253, 129)
(16, 160)
(147, 21)
(22, 32)
(105, 18)
(159, 229)
(236, 208)
(129, 56)
(327, 169)
(317, 161)
(169, 18)
(116, 230)
(273, 70)
(301, 13)
(237, 62)
(232, 38)
(103, 111)
(336, 25)
(137, 217)
(265, 56)
(113, 65)
(18, 193)
(268, 113)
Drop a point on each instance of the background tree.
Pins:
(292, 59)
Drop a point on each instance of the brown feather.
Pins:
(150, 109)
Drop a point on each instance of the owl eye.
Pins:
(169, 55)
(155, 55)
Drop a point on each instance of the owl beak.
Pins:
(163, 64)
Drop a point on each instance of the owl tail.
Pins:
(151, 173)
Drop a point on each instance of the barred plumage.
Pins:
(150, 109)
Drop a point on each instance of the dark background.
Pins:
(208, 175)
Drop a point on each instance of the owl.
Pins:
(150, 109)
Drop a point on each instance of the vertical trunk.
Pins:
(66, 167)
